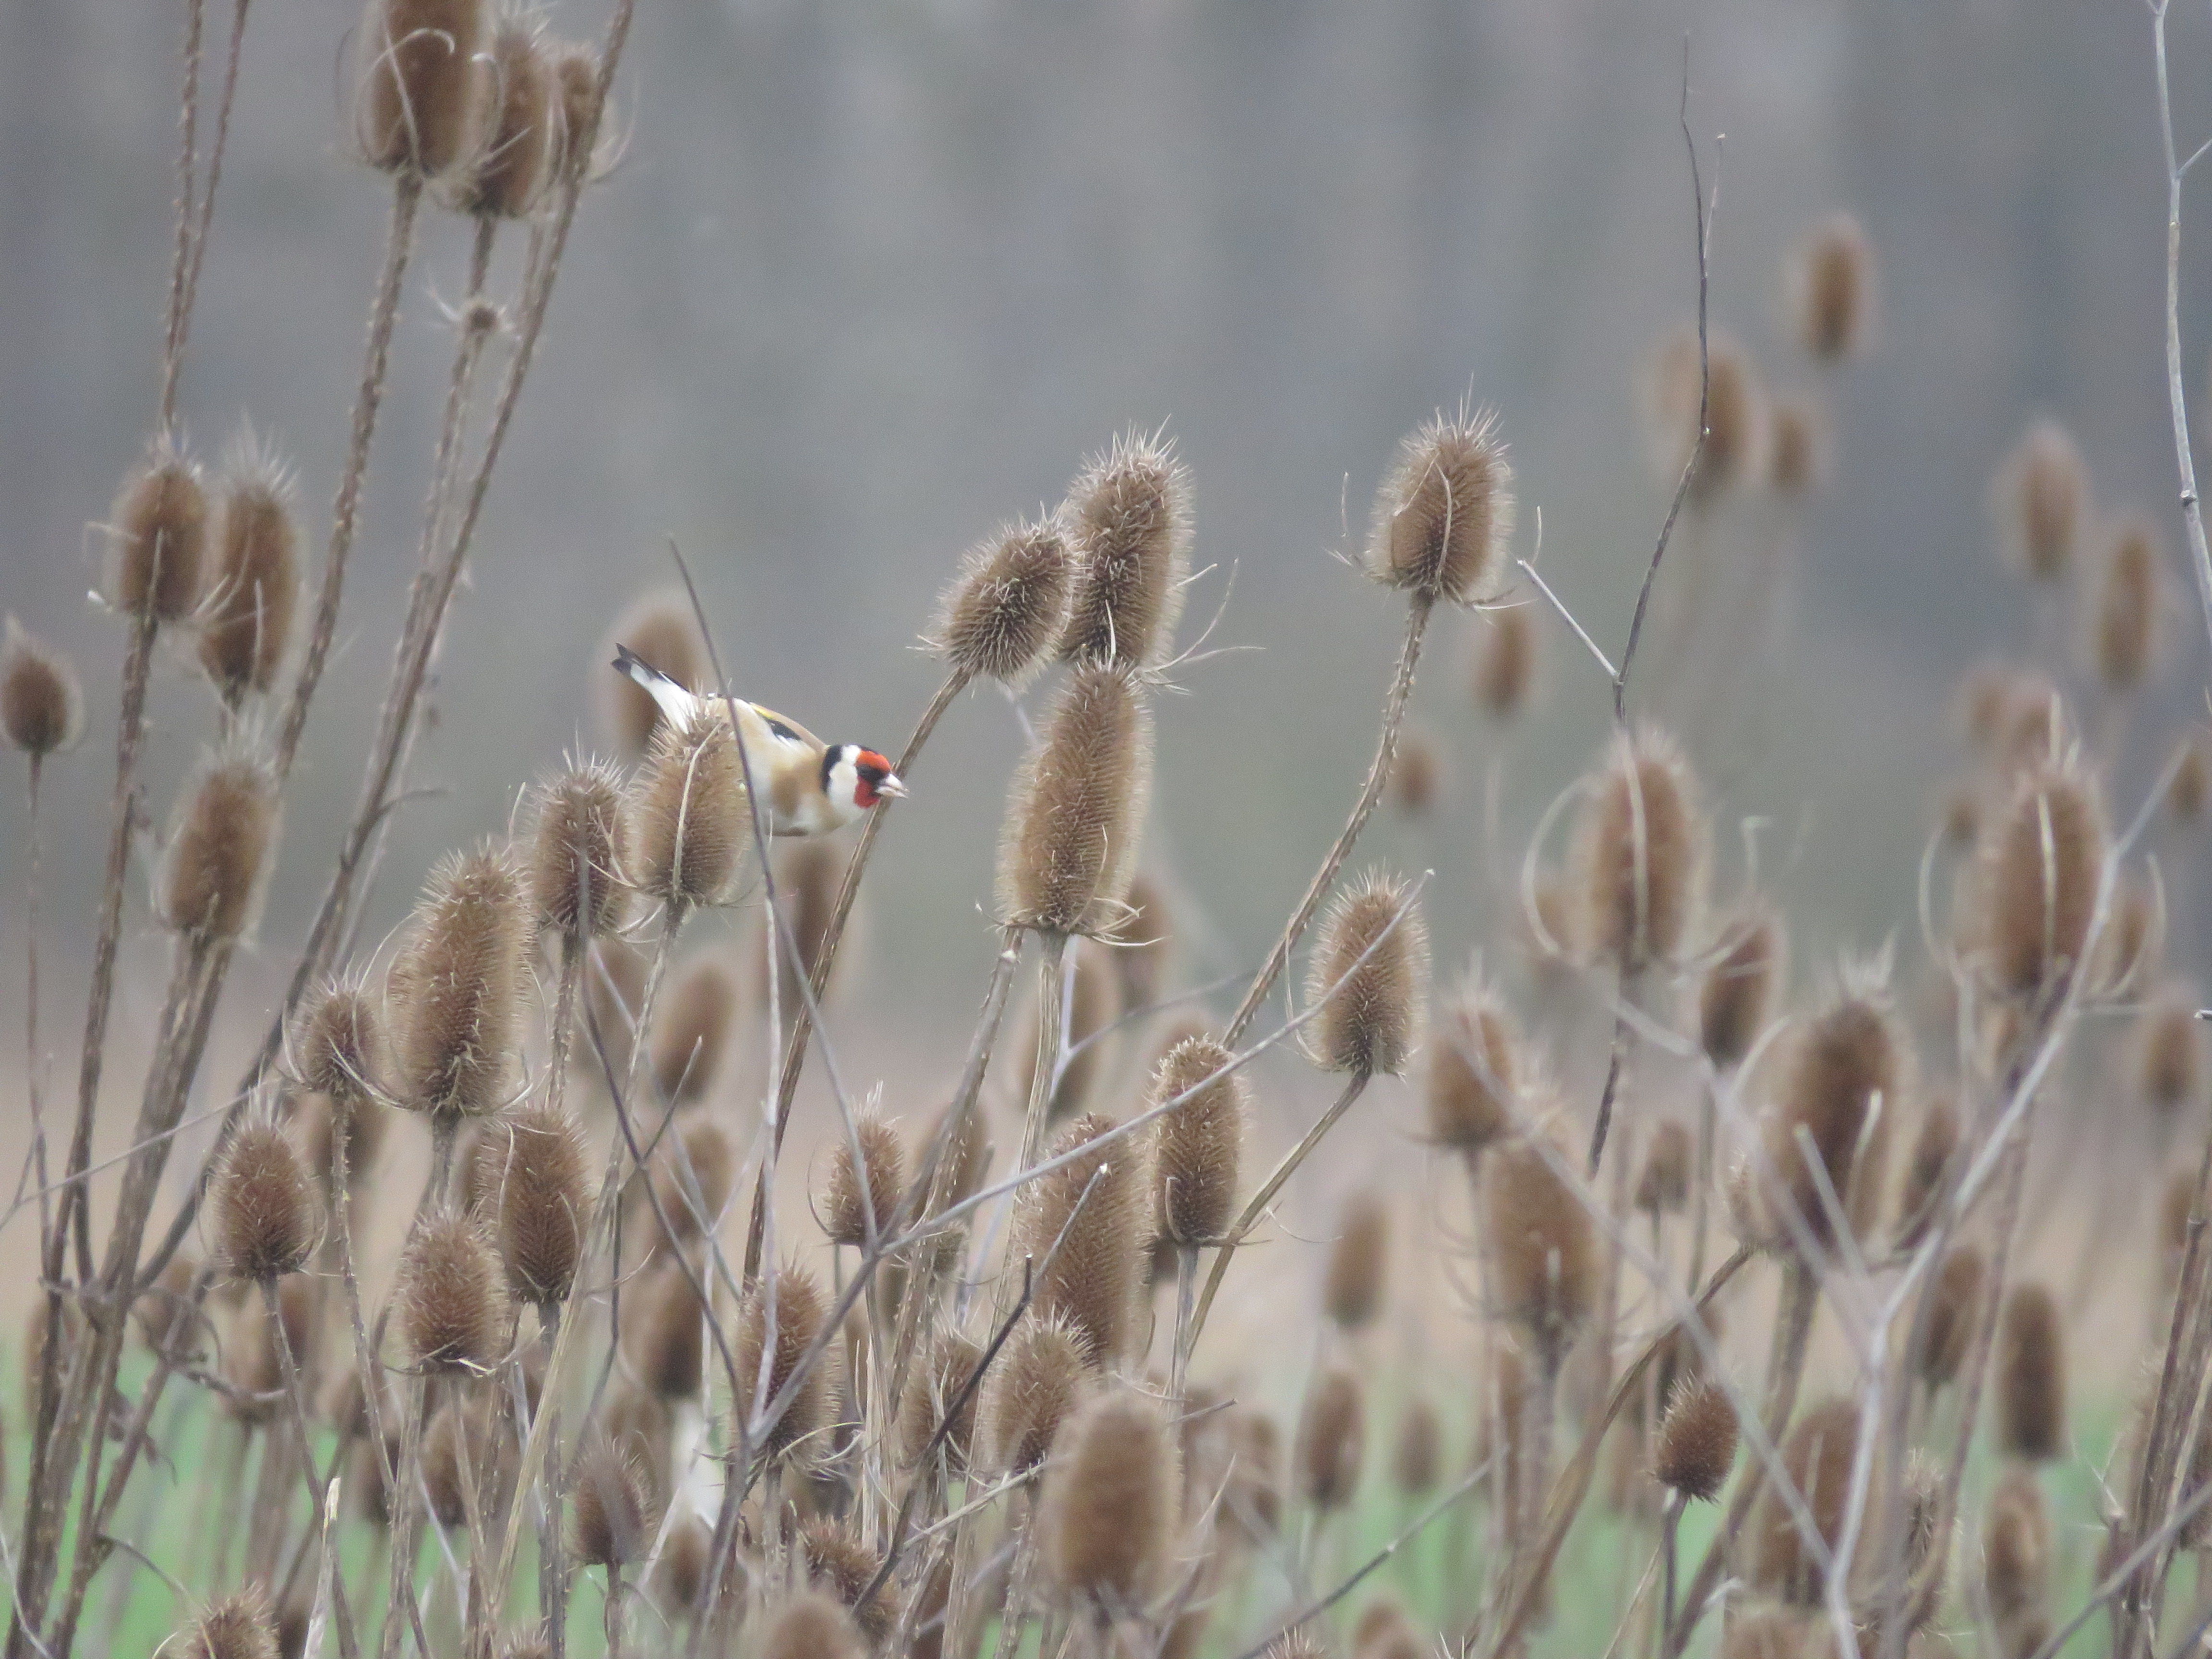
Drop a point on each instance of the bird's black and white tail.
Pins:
(677, 703)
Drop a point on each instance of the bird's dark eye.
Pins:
(872, 774)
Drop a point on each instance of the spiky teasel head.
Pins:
(811, 1625)
(1040, 1374)
(1817, 1454)
(2031, 1380)
(1797, 449)
(689, 822)
(1008, 605)
(662, 631)
(2036, 894)
(1640, 852)
(860, 1200)
(452, 1298)
(253, 579)
(1358, 1262)
(1957, 1297)
(1369, 976)
(542, 1203)
(1663, 1185)
(1696, 1446)
(1832, 289)
(221, 844)
(933, 1389)
(419, 108)
(1543, 1253)
(1303, 1643)
(1844, 1077)
(41, 703)
(1927, 1170)
(1332, 1440)
(1741, 987)
(1417, 772)
(337, 1045)
(2191, 787)
(577, 850)
(1128, 518)
(666, 1337)
(1068, 851)
(2018, 1541)
(157, 533)
(1196, 1147)
(263, 1206)
(2124, 626)
(1444, 516)
(694, 1177)
(515, 161)
(1093, 1208)
(167, 1321)
(1474, 1070)
(838, 1561)
(460, 1445)
(612, 1526)
(1505, 661)
(1109, 1507)
(2041, 497)
(1416, 1460)
(1143, 945)
(809, 872)
(239, 1627)
(691, 1031)
(780, 1317)
(679, 1572)
(2169, 1057)
(458, 982)
(1734, 453)
(2131, 947)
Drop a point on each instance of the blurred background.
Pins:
(873, 276)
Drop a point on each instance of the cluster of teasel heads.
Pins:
(900, 1431)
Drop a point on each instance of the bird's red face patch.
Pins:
(872, 774)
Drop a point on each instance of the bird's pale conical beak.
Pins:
(890, 786)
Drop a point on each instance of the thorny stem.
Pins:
(296, 1399)
(2192, 510)
(1378, 773)
(172, 344)
(1622, 1037)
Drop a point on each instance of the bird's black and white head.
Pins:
(855, 779)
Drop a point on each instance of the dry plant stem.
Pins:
(552, 1568)
(34, 1069)
(295, 1400)
(614, 1619)
(214, 167)
(1702, 1181)
(2192, 510)
(1616, 1063)
(172, 344)
(1378, 773)
(1670, 1530)
(1186, 1285)
(1785, 1372)
(406, 1519)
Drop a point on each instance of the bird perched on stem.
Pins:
(809, 787)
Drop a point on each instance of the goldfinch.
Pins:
(811, 788)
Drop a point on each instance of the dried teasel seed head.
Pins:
(661, 628)
(667, 1339)
(779, 1320)
(452, 1300)
(859, 1201)
(809, 872)
(542, 1199)
(458, 1429)
(1844, 1074)
(931, 1391)
(1073, 824)
(1797, 449)
(1416, 773)
(689, 824)
(812, 1626)
(338, 1044)
(1663, 1187)
(1475, 1068)
(1300, 1643)
(157, 535)
(1358, 1262)
(679, 1572)
(1144, 947)
(1755, 1632)
(419, 108)
(1957, 1291)
(2132, 947)
(1926, 1171)
(2018, 1543)
(512, 167)
(1734, 453)
(610, 1525)
(1109, 1509)
(41, 703)
(1094, 1002)
(458, 982)
(694, 1177)
(2041, 496)
(263, 1206)
(691, 1031)
(1817, 1455)
(1093, 1208)
(2124, 633)
(1197, 1146)
(1505, 667)
(221, 846)
(1332, 1440)
(254, 584)
(239, 1627)
(1444, 516)
(576, 853)
(2191, 787)
(1040, 1377)
(1385, 1631)
(1640, 852)
(839, 1562)
(580, 117)
(1369, 977)
(1832, 287)
(1127, 517)
(1741, 987)
(1542, 1252)
(1417, 1461)
(2040, 865)
(1008, 605)
(166, 1319)
(2031, 1379)
(1697, 1441)
(2169, 1054)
